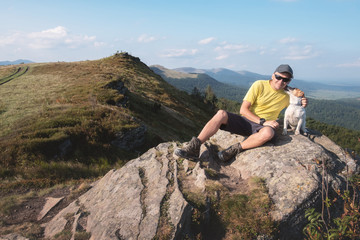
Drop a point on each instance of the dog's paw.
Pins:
(284, 132)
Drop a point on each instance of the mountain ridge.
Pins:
(19, 61)
(244, 79)
(188, 81)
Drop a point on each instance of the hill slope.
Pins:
(187, 82)
(241, 79)
(73, 120)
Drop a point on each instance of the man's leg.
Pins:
(221, 117)
(255, 140)
(258, 139)
(192, 150)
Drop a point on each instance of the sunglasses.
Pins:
(278, 77)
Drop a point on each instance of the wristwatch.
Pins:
(262, 121)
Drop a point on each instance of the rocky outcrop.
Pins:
(144, 199)
(129, 202)
(293, 168)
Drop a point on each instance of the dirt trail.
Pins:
(19, 72)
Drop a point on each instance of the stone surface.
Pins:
(50, 203)
(132, 202)
(292, 168)
(125, 203)
(13, 236)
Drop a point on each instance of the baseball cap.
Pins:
(284, 68)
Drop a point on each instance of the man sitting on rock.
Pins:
(258, 114)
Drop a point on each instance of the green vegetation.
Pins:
(343, 113)
(346, 138)
(58, 120)
(321, 225)
(188, 82)
(247, 216)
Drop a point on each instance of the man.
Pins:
(259, 111)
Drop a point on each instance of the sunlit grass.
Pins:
(54, 104)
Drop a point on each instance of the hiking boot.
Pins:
(230, 152)
(192, 150)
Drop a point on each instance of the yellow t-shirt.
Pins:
(265, 101)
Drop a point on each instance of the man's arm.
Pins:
(245, 111)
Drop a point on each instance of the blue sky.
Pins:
(318, 38)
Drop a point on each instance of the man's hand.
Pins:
(304, 102)
(274, 124)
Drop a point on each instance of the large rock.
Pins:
(143, 200)
(127, 203)
(293, 168)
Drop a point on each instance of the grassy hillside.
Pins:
(59, 120)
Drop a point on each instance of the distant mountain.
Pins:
(19, 61)
(244, 79)
(187, 81)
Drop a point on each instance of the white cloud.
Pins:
(221, 57)
(179, 52)
(10, 39)
(145, 38)
(352, 64)
(301, 53)
(206, 40)
(233, 48)
(287, 40)
(46, 39)
(54, 33)
(99, 44)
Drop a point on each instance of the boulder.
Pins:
(293, 168)
(144, 199)
(128, 203)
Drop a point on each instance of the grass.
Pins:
(246, 216)
(58, 120)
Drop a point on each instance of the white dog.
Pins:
(295, 114)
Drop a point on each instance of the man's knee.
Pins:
(222, 116)
(267, 133)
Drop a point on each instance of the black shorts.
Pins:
(240, 125)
